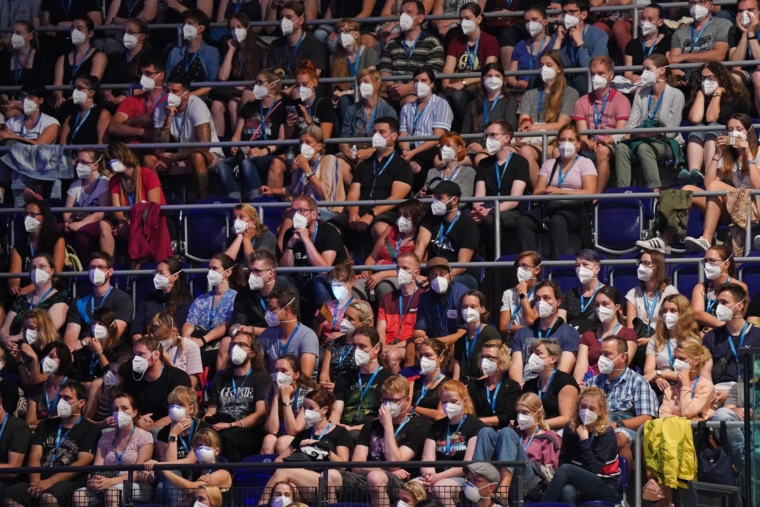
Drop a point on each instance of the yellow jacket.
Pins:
(669, 450)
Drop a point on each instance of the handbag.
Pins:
(713, 463)
(553, 206)
(642, 330)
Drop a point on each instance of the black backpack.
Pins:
(713, 463)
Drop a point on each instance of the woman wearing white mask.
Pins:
(33, 126)
(642, 307)
(339, 348)
(494, 395)
(23, 64)
(465, 365)
(359, 120)
(101, 394)
(130, 184)
(657, 104)
(83, 60)
(261, 118)
(330, 316)
(556, 388)
(241, 62)
(579, 477)
(183, 412)
(577, 308)
(651, 39)
(319, 430)
(126, 67)
(527, 52)
(677, 325)
(426, 388)
(517, 308)
(451, 439)
(250, 234)
(180, 352)
(89, 189)
(285, 400)
(171, 297)
(607, 305)
(569, 174)
(734, 165)
(194, 59)
(42, 399)
(121, 11)
(211, 313)
(126, 445)
(396, 240)
(208, 496)
(719, 268)
(454, 166)
(531, 439)
(103, 347)
(549, 107)
(37, 332)
(88, 124)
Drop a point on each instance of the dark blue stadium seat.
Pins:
(206, 231)
(622, 490)
(694, 229)
(272, 217)
(685, 276)
(566, 276)
(249, 488)
(197, 282)
(256, 458)
(624, 221)
(749, 273)
(624, 278)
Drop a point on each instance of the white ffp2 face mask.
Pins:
(536, 364)
(567, 149)
(488, 366)
(599, 82)
(647, 28)
(545, 310)
(468, 26)
(605, 314)
(30, 106)
(670, 320)
(570, 21)
(77, 37)
(534, 28)
(470, 315)
(286, 26)
(709, 87)
(189, 32)
(548, 74)
(698, 12)
(587, 416)
(129, 40)
(680, 365)
(422, 90)
(585, 275)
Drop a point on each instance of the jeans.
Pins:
(506, 446)
(344, 102)
(252, 169)
(322, 290)
(468, 281)
(322, 33)
(571, 482)
(735, 436)
(648, 154)
(459, 101)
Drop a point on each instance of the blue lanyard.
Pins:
(41, 299)
(520, 309)
(343, 355)
(290, 339)
(212, 313)
(441, 235)
(561, 177)
(265, 117)
(75, 67)
(471, 55)
(584, 305)
(571, 49)
(184, 443)
(598, 117)
(540, 104)
(525, 447)
(651, 309)
(453, 174)
(239, 5)
(443, 318)
(406, 420)
(487, 111)
(59, 439)
(424, 390)
(235, 388)
(316, 230)
(354, 68)
(656, 107)
(337, 311)
(410, 51)
(51, 406)
(130, 7)
(188, 64)
(417, 115)
(120, 455)
(670, 353)
(699, 35)
(448, 434)
(491, 399)
(289, 55)
(500, 174)
(542, 393)
(327, 430)
(399, 242)
(94, 363)
(614, 331)
(540, 332)
(92, 301)
(693, 388)
(469, 345)
(712, 301)
(66, 8)
(362, 389)
(23, 120)
(2, 428)
(741, 342)
(368, 125)
(78, 124)
(382, 169)
(534, 57)
(402, 313)
(644, 46)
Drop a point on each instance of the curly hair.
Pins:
(603, 417)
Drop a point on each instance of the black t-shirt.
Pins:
(250, 390)
(151, 396)
(251, 306)
(466, 352)
(183, 443)
(82, 437)
(287, 58)
(727, 108)
(754, 307)
(153, 303)
(9, 392)
(550, 400)
(15, 438)
(508, 393)
(69, 10)
(80, 312)
(636, 52)
(83, 127)
(451, 439)
(87, 366)
(432, 397)
(463, 234)
(379, 188)
(338, 436)
(358, 409)
(252, 113)
(581, 320)
(411, 435)
(326, 238)
(321, 111)
(517, 170)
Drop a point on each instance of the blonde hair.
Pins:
(365, 312)
(416, 489)
(396, 384)
(253, 215)
(373, 75)
(552, 348)
(273, 76)
(182, 395)
(458, 388)
(505, 359)
(694, 350)
(603, 417)
(207, 436)
(532, 402)
(214, 495)
(687, 328)
(162, 328)
(46, 331)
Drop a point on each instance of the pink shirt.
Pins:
(582, 167)
(188, 359)
(138, 440)
(618, 108)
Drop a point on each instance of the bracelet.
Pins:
(269, 150)
(715, 159)
(203, 339)
(242, 424)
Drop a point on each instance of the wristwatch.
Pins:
(371, 213)
(658, 372)
(172, 439)
(581, 46)
(464, 82)
(287, 404)
(83, 342)
(522, 295)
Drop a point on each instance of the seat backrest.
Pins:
(623, 474)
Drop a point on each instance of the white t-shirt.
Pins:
(510, 301)
(740, 180)
(189, 360)
(662, 358)
(636, 297)
(76, 190)
(16, 125)
(183, 126)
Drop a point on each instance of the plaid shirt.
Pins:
(19, 10)
(630, 395)
(437, 114)
(399, 59)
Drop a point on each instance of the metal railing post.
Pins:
(637, 451)
(179, 36)
(544, 146)
(323, 488)
(127, 489)
(635, 31)
(749, 433)
(748, 233)
(497, 229)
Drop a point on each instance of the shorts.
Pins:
(707, 136)
(511, 35)
(356, 486)
(628, 432)
(62, 492)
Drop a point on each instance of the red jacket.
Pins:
(148, 234)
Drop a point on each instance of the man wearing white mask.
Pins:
(295, 45)
(578, 42)
(705, 40)
(503, 172)
(449, 233)
(194, 59)
(395, 435)
(548, 298)
(631, 400)
(286, 335)
(236, 399)
(69, 440)
(577, 308)
(185, 119)
(79, 317)
(745, 45)
(397, 313)
(438, 313)
(410, 51)
(603, 108)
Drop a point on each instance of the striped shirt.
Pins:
(403, 57)
(629, 396)
(19, 10)
(436, 114)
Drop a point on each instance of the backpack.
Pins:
(713, 463)
(71, 260)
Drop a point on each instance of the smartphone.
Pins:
(731, 140)
(292, 110)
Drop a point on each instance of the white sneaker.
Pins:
(757, 242)
(654, 244)
(699, 244)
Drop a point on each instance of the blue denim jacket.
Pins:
(208, 55)
(353, 121)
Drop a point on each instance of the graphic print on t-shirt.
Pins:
(252, 125)
(227, 399)
(376, 447)
(704, 43)
(64, 455)
(457, 443)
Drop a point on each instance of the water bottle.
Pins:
(289, 158)
(354, 151)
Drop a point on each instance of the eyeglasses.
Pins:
(33, 214)
(492, 135)
(712, 262)
(83, 162)
(699, 2)
(572, 12)
(242, 345)
(526, 266)
(261, 82)
(82, 88)
(302, 211)
(393, 400)
(259, 272)
(102, 268)
(491, 358)
(645, 263)
(702, 79)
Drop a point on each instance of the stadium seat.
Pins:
(685, 276)
(256, 458)
(249, 488)
(694, 229)
(566, 276)
(197, 282)
(206, 231)
(624, 278)
(272, 217)
(623, 486)
(749, 273)
(624, 221)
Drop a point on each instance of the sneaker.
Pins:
(699, 244)
(684, 177)
(757, 242)
(696, 178)
(654, 244)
